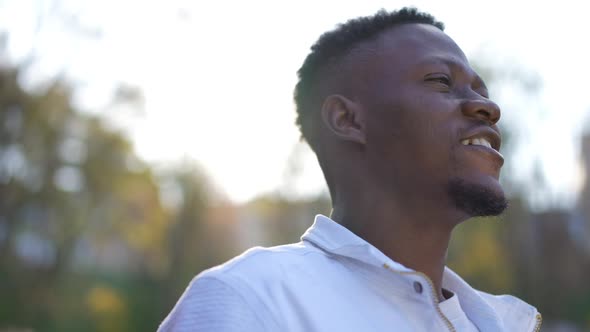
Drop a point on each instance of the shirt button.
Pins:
(418, 287)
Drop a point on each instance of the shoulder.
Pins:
(258, 270)
(264, 263)
(234, 296)
(211, 305)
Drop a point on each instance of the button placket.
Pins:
(419, 288)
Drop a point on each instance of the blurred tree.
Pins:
(478, 254)
(274, 219)
(73, 198)
(197, 238)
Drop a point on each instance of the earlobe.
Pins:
(344, 118)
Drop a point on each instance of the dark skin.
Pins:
(393, 125)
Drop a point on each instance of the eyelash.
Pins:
(440, 79)
(446, 81)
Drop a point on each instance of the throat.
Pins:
(416, 245)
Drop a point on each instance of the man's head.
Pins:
(390, 102)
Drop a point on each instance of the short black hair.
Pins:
(336, 44)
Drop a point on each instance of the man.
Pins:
(408, 142)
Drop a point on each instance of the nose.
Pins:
(481, 109)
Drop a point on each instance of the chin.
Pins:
(477, 199)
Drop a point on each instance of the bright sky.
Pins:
(218, 75)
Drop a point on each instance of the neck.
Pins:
(416, 237)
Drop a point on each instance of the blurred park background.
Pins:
(142, 142)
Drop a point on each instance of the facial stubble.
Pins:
(476, 200)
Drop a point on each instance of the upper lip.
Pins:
(488, 133)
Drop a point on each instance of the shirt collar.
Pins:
(336, 239)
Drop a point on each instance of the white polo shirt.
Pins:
(335, 281)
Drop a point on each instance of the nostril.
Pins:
(489, 115)
(484, 113)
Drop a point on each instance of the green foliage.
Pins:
(86, 243)
(477, 255)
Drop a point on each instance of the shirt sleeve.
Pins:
(211, 305)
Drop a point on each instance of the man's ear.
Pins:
(345, 118)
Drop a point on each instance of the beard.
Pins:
(476, 200)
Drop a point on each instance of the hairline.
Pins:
(334, 70)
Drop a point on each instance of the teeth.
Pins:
(486, 143)
(477, 141)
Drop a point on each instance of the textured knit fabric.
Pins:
(212, 305)
(333, 281)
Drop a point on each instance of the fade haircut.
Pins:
(335, 45)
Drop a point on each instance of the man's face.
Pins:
(430, 128)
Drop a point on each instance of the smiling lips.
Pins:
(483, 136)
(477, 141)
(489, 142)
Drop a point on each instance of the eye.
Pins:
(439, 78)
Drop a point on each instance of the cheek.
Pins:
(417, 148)
(437, 138)
(429, 148)
(384, 129)
(414, 137)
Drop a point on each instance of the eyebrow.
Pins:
(450, 62)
